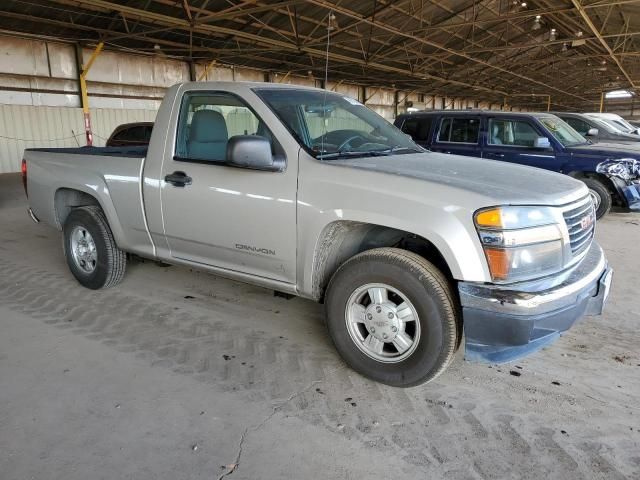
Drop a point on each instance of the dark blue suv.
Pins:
(611, 171)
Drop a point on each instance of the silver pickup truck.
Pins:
(309, 193)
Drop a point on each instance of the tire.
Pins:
(600, 195)
(90, 250)
(413, 283)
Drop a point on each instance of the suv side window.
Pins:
(578, 125)
(515, 133)
(208, 120)
(418, 128)
(459, 130)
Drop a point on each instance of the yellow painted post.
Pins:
(204, 74)
(84, 94)
(548, 103)
(601, 101)
(284, 79)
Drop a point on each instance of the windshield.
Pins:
(624, 126)
(330, 125)
(562, 131)
(615, 126)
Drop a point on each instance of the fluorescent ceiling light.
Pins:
(618, 94)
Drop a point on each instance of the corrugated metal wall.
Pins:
(27, 126)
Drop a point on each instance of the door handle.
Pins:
(178, 179)
(499, 155)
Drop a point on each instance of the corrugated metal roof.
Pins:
(489, 48)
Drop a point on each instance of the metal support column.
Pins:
(84, 94)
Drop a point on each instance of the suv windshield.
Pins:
(330, 125)
(562, 131)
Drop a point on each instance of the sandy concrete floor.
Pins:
(177, 374)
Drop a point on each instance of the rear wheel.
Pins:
(90, 249)
(392, 316)
(600, 195)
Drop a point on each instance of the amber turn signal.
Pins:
(490, 218)
(498, 260)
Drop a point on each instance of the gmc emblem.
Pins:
(586, 222)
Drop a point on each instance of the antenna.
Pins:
(331, 19)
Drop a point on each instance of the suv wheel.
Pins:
(392, 316)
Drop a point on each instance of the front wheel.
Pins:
(392, 316)
(90, 249)
(600, 195)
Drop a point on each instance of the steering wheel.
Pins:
(348, 141)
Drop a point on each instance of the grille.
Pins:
(581, 222)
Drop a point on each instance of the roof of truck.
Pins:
(235, 85)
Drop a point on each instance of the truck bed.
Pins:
(137, 152)
(111, 175)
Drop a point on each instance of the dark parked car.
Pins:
(131, 135)
(611, 171)
(595, 129)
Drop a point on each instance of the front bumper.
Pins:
(503, 323)
(631, 194)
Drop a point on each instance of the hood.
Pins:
(608, 150)
(627, 137)
(500, 183)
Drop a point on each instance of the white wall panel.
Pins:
(62, 59)
(119, 68)
(23, 57)
(249, 75)
(215, 73)
(26, 126)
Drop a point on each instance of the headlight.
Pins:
(520, 243)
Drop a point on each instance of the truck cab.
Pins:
(539, 140)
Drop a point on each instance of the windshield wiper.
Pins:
(345, 153)
(392, 150)
(362, 153)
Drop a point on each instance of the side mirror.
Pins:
(541, 142)
(251, 151)
(592, 132)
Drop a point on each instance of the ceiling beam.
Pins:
(146, 16)
(356, 15)
(604, 43)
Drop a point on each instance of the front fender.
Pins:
(326, 214)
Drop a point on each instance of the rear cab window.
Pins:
(459, 130)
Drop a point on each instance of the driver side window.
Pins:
(207, 122)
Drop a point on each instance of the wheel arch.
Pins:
(67, 198)
(341, 240)
(606, 181)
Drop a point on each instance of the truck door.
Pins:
(228, 217)
(513, 140)
(458, 135)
